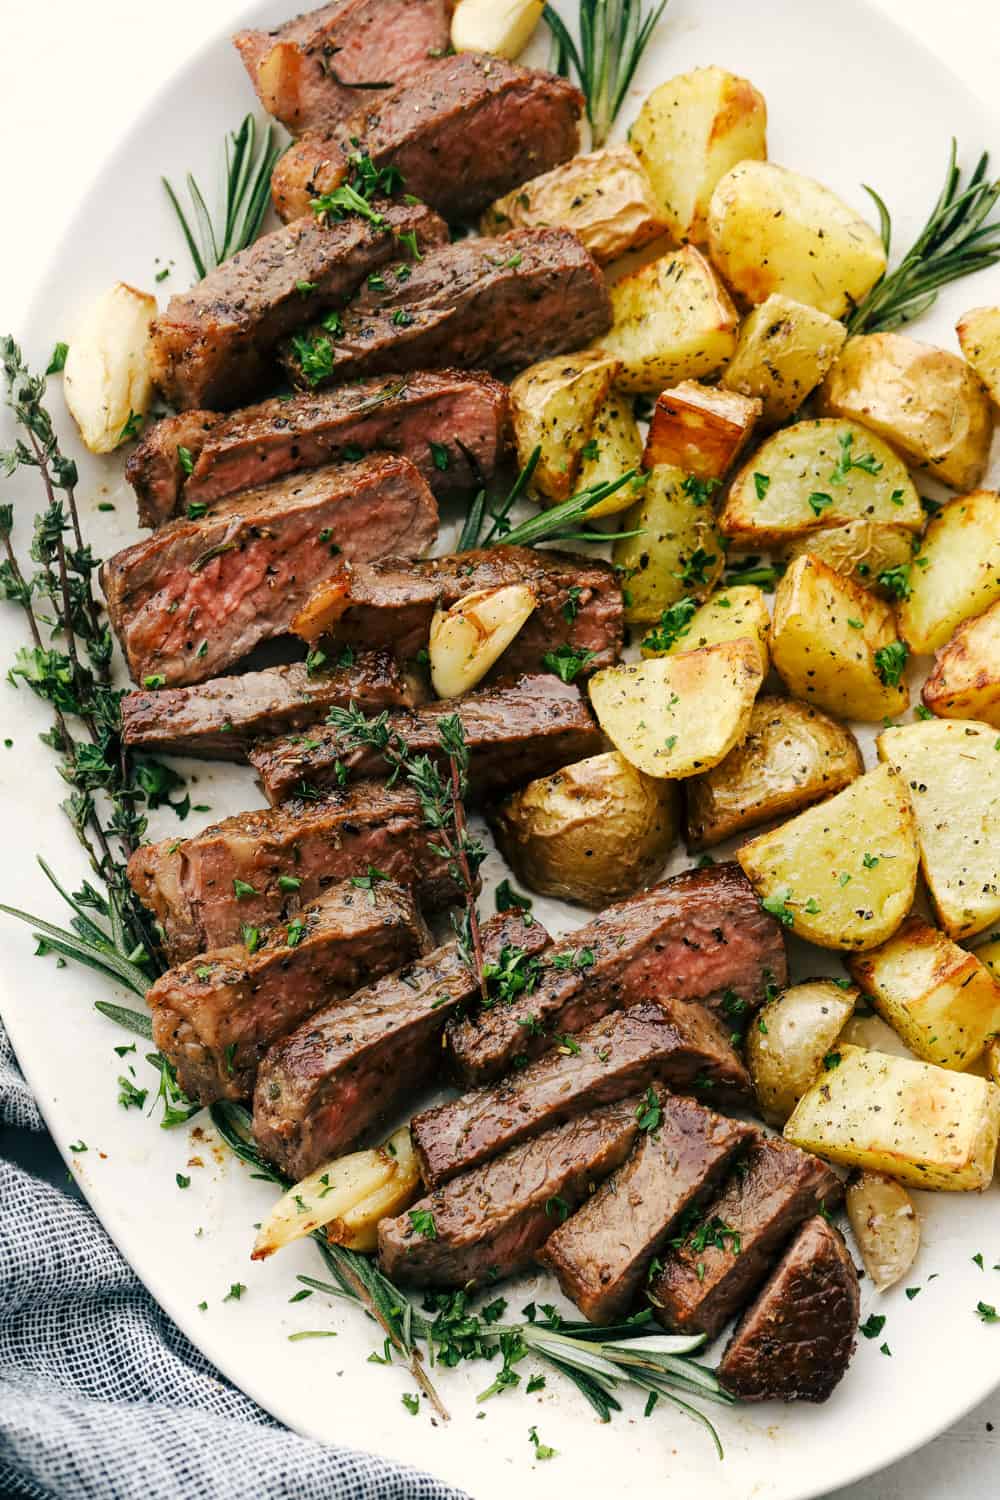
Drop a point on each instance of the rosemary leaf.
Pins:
(248, 181)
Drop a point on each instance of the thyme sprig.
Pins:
(248, 186)
(614, 34)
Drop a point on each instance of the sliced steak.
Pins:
(723, 1259)
(467, 131)
(353, 1063)
(491, 1222)
(198, 595)
(479, 304)
(313, 71)
(796, 1341)
(699, 936)
(513, 733)
(391, 603)
(451, 424)
(602, 1254)
(663, 1041)
(215, 1016)
(215, 344)
(203, 890)
(220, 719)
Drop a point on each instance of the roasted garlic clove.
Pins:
(107, 381)
(467, 639)
(502, 27)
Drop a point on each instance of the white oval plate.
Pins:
(850, 98)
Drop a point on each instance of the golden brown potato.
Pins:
(789, 1040)
(689, 132)
(873, 554)
(773, 230)
(592, 832)
(676, 550)
(885, 1226)
(956, 573)
(731, 614)
(673, 321)
(926, 402)
(613, 447)
(965, 682)
(979, 339)
(604, 197)
(784, 350)
(699, 428)
(553, 406)
(792, 756)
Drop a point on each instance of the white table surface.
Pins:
(72, 77)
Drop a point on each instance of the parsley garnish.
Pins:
(567, 663)
(846, 461)
(675, 622)
(648, 1113)
(890, 662)
(422, 1222)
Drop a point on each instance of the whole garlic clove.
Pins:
(106, 379)
(885, 1224)
(502, 27)
(467, 639)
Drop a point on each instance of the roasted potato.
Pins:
(815, 475)
(979, 340)
(553, 406)
(614, 447)
(835, 645)
(673, 321)
(689, 132)
(988, 954)
(466, 639)
(592, 832)
(789, 1039)
(965, 682)
(926, 402)
(783, 351)
(943, 1002)
(730, 615)
(773, 230)
(604, 197)
(700, 428)
(885, 1226)
(676, 551)
(924, 1125)
(678, 715)
(792, 756)
(952, 767)
(873, 554)
(956, 573)
(108, 374)
(841, 875)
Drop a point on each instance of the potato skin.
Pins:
(553, 405)
(614, 447)
(861, 550)
(675, 534)
(965, 682)
(789, 1040)
(784, 350)
(956, 573)
(979, 339)
(700, 429)
(592, 833)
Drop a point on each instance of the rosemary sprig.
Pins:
(958, 239)
(556, 525)
(248, 184)
(614, 34)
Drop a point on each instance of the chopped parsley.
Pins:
(873, 1325)
(515, 973)
(890, 662)
(819, 501)
(422, 1222)
(571, 608)
(557, 1208)
(315, 357)
(896, 581)
(700, 491)
(289, 882)
(542, 1450)
(411, 1402)
(987, 1312)
(761, 484)
(369, 882)
(440, 456)
(846, 461)
(181, 1180)
(295, 933)
(567, 663)
(694, 569)
(186, 459)
(57, 359)
(675, 622)
(777, 906)
(241, 890)
(506, 898)
(648, 1112)
(235, 1292)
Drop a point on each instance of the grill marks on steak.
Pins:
(494, 304)
(468, 130)
(451, 424)
(354, 1063)
(774, 1189)
(699, 936)
(796, 1341)
(215, 1016)
(513, 734)
(214, 346)
(190, 885)
(198, 595)
(669, 1042)
(601, 1255)
(492, 1221)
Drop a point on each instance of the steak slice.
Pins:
(720, 1264)
(216, 1015)
(215, 344)
(391, 603)
(795, 1342)
(665, 1041)
(513, 734)
(492, 1221)
(479, 304)
(198, 595)
(353, 1063)
(220, 719)
(450, 423)
(203, 890)
(601, 1255)
(312, 71)
(699, 936)
(468, 130)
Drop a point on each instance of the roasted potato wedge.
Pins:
(943, 1002)
(979, 340)
(815, 475)
(591, 833)
(676, 551)
(789, 1040)
(689, 132)
(873, 554)
(604, 197)
(784, 350)
(732, 614)
(553, 406)
(956, 573)
(614, 447)
(835, 645)
(885, 1226)
(841, 875)
(679, 715)
(952, 767)
(792, 756)
(773, 230)
(924, 1125)
(673, 321)
(926, 402)
(988, 954)
(700, 428)
(965, 682)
